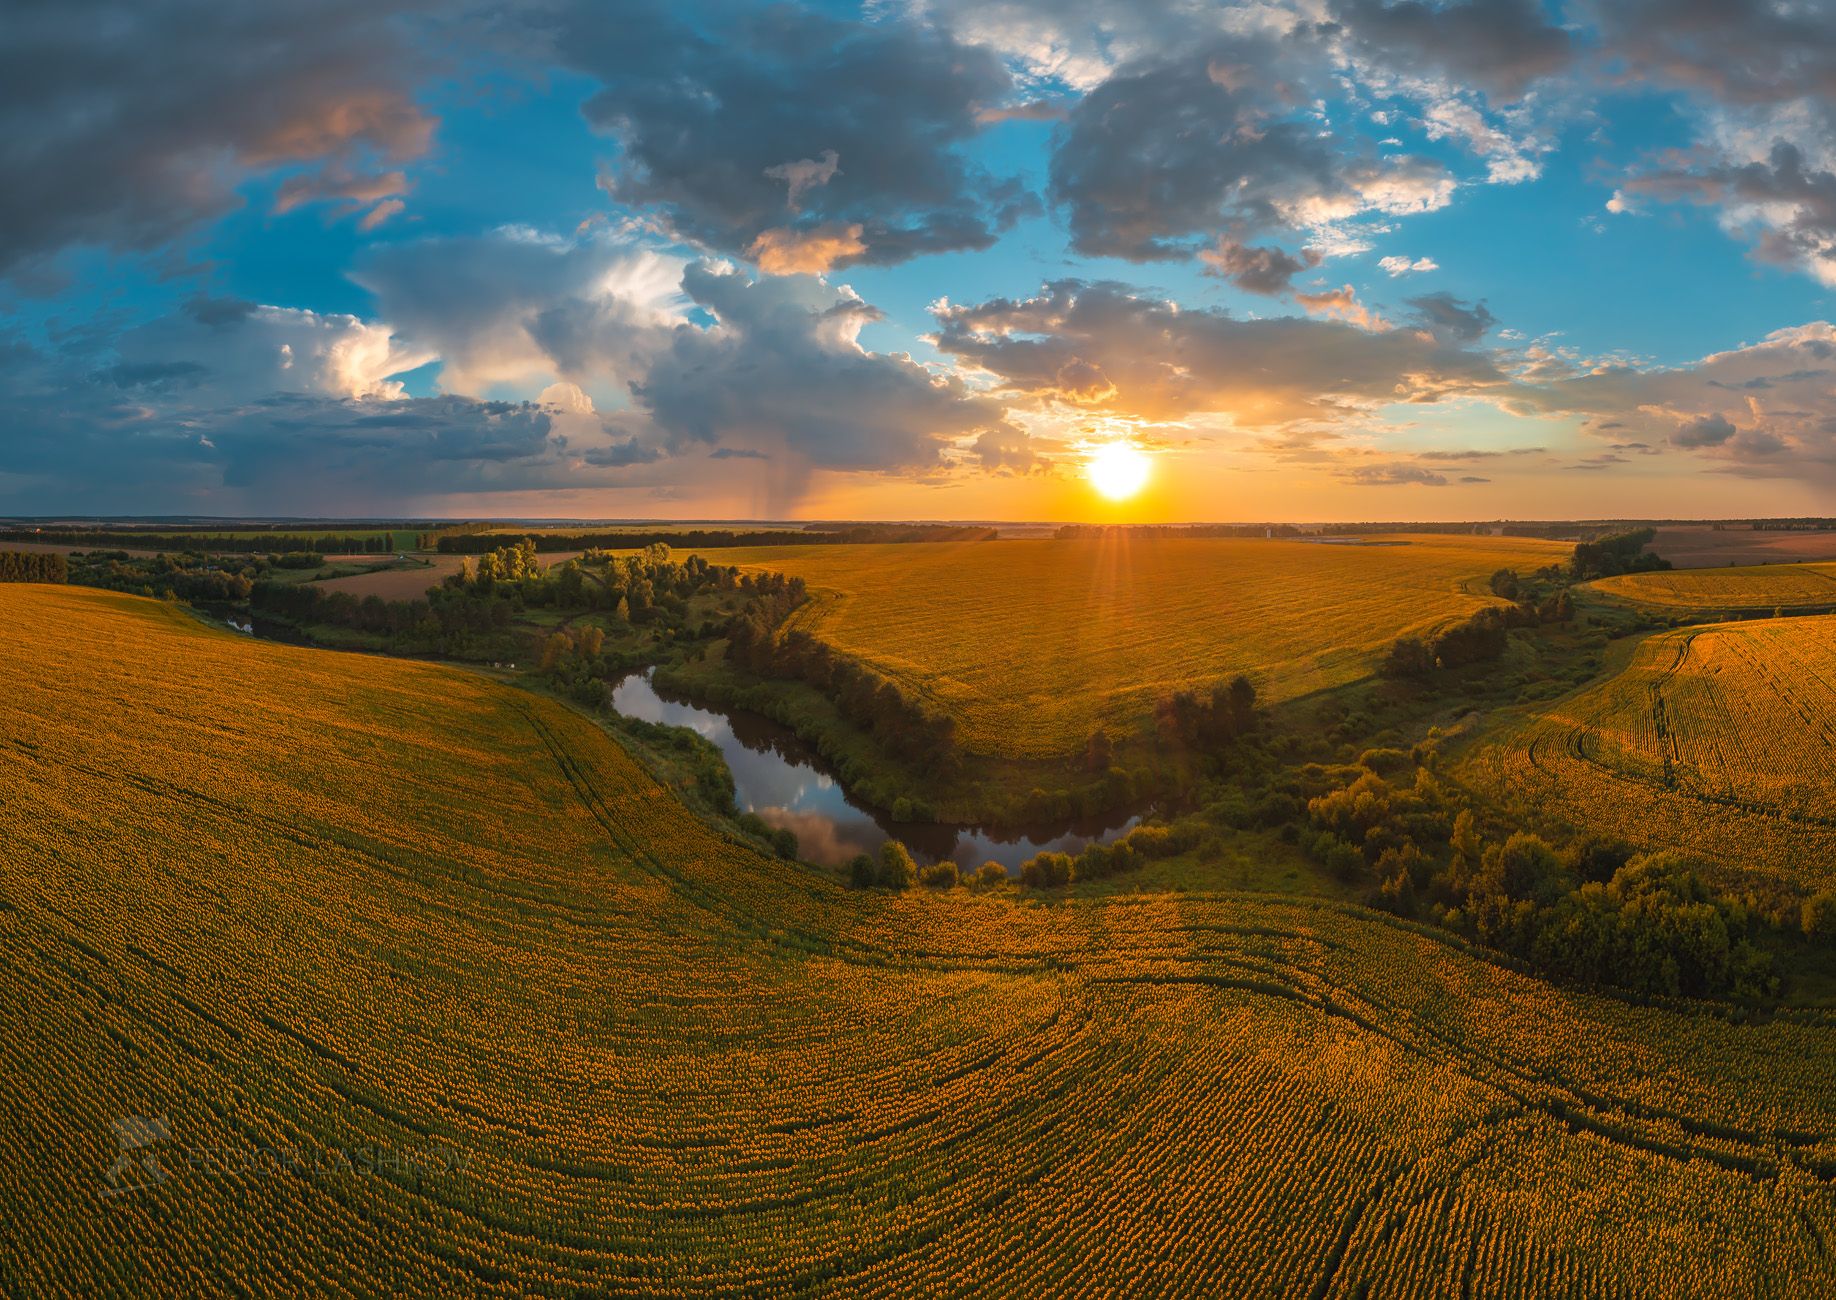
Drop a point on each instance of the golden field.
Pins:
(1030, 645)
(304, 903)
(1754, 587)
(1716, 740)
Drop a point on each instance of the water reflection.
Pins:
(778, 777)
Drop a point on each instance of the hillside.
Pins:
(1755, 587)
(419, 984)
(1717, 740)
(1032, 644)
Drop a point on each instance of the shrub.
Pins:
(941, 875)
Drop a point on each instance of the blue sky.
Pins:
(1314, 259)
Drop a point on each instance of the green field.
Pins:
(304, 904)
(1030, 645)
(1717, 740)
(1756, 587)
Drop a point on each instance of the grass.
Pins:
(1716, 740)
(1753, 587)
(309, 904)
(1031, 645)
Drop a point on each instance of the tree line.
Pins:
(33, 566)
(474, 543)
(204, 543)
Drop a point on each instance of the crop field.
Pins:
(349, 975)
(1699, 547)
(1755, 587)
(1719, 740)
(1031, 644)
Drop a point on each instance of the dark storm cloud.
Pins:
(757, 130)
(123, 125)
(1498, 46)
(1106, 347)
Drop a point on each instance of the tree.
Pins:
(1409, 657)
(1505, 584)
(554, 649)
(897, 870)
(1818, 915)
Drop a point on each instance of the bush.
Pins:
(940, 875)
(1048, 870)
(988, 875)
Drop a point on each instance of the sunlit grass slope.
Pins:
(1719, 740)
(300, 902)
(1762, 586)
(1031, 644)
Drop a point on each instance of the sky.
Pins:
(919, 259)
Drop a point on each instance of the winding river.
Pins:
(784, 782)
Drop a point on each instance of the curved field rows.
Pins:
(1719, 740)
(1031, 644)
(419, 985)
(1756, 587)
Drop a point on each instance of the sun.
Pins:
(1117, 470)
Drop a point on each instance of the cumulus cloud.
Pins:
(1341, 304)
(1785, 206)
(1163, 154)
(518, 306)
(788, 250)
(1257, 270)
(1498, 46)
(1446, 317)
(1708, 431)
(235, 352)
(727, 115)
(1158, 362)
(1395, 266)
(1398, 474)
(123, 126)
(781, 370)
(707, 355)
(1761, 410)
(1740, 51)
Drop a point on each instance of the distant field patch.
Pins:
(1719, 740)
(1763, 586)
(1031, 644)
(1696, 548)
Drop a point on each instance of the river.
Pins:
(784, 782)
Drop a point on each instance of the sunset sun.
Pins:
(1117, 470)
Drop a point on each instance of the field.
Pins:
(1696, 548)
(1755, 587)
(417, 984)
(1717, 740)
(1031, 644)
